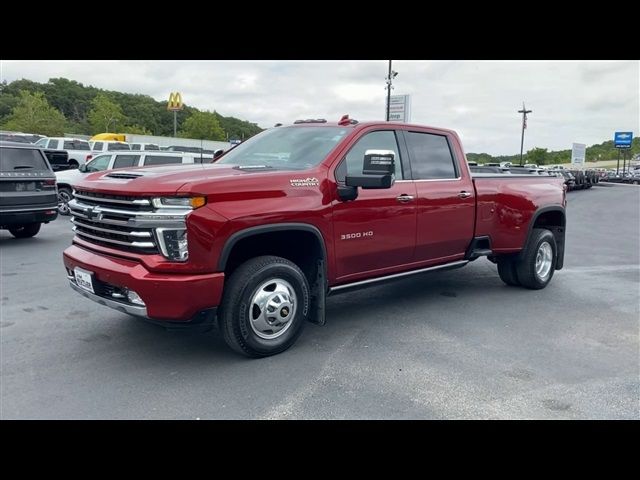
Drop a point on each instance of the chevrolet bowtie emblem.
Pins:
(93, 213)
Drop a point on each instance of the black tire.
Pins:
(25, 231)
(73, 164)
(236, 312)
(507, 271)
(64, 195)
(526, 266)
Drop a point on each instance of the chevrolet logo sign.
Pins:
(175, 101)
(93, 213)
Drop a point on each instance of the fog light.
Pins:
(134, 298)
(173, 243)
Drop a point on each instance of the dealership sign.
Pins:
(578, 152)
(622, 139)
(400, 108)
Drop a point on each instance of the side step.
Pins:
(364, 283)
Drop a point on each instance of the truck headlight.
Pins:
(178, 202)
(173, 243)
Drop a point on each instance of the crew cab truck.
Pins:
(256, 241)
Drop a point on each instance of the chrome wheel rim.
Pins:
(544, 260)
(272, 308)
(63, 202)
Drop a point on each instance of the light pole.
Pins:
(389, 87)
(524, 112)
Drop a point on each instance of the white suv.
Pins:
(66, 179)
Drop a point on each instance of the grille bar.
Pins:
(115, 242)
(142, 201)
(131, 233)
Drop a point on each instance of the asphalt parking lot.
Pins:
(457, 344)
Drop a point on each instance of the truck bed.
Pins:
(505, 205)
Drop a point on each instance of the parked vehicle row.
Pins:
(67, 179)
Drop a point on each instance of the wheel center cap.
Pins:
(284, 312)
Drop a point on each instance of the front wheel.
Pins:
(64, 197)
(538, 262)
(25, 231)
(264, 307)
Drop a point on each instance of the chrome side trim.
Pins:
(123, 307)
(458, 263)
(420, 180)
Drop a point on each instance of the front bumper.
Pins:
(167, 297)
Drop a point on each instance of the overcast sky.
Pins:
(572, 101)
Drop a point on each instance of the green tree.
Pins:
(33, 114)
(539, 156)
(105, 115)
(203, 125)
(136, 129)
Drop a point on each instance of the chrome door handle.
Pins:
(405, 198)
(464, 194)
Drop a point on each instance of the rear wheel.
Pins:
(537, 264)
(64, 196)
(73, 164)
(25, 231)
(264, 307)
(507, 271)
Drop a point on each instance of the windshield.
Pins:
(291, 148)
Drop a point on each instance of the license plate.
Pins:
(84, 279)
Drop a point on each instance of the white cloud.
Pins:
(572, 101)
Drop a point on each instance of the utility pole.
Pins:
(175, 123)
(389, 79)
(524, 112)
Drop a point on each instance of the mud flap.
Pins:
(318, 296)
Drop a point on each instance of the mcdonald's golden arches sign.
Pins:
(175, 101)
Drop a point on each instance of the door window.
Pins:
(381, 140)
(431, 156)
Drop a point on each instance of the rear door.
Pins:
(26, 180)
(445, 196)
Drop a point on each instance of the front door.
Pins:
(376, 232)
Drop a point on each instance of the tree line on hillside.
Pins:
(541, 156)
(62, 105)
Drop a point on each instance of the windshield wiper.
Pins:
(252, 167)
(18, 167)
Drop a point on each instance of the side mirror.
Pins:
(83, 168)
(217, 153)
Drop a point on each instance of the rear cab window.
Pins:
(97, 146)
(21, 159)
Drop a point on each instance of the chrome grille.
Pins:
(112, 221)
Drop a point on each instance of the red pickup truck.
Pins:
(256, 241)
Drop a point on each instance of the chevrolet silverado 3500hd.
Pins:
(258, 239)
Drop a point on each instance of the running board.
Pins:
(363, 283)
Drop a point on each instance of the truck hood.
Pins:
(166, 180)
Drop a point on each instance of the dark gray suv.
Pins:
(28, 192)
